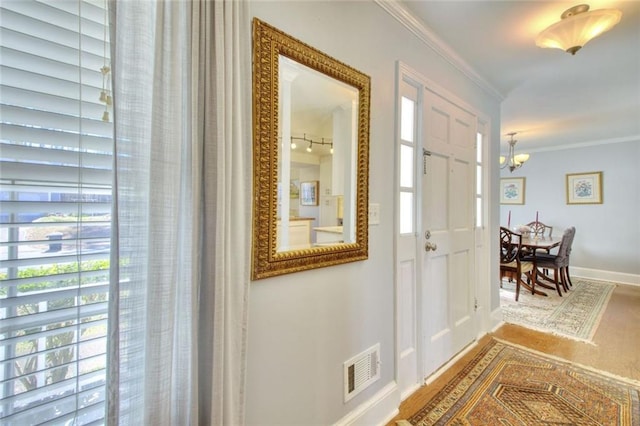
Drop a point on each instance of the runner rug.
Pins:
(575, 315)
(511, 385)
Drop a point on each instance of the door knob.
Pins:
(430, 247)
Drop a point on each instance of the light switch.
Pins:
(374, 214)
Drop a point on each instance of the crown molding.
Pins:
(435, 43)
(610, 141)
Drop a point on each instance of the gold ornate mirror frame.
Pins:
(268, 44)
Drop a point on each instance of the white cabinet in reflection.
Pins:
(299, 234)
(329, 235)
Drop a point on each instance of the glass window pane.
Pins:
(478, 180)
(479, 148)
(406, 166)
(478, 212)
(55, 219)
(407, 118)
(406, 212)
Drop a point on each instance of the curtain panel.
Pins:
(179, 270)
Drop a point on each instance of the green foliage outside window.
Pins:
(57, 362)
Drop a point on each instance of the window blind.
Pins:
(55, 205)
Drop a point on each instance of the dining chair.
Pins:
(566, 268)
(559, 262)
(539, 229)
(511, 266)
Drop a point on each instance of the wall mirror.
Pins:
(310, 157)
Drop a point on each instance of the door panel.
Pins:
(436, 267)
(408, 374)
(459, 282)
(407, 306)
(462, 194)
(437, 187)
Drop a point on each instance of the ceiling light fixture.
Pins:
(311, 142)
(577, 27)
(513, 161)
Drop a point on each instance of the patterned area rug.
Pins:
(575, 315)
(510, 385)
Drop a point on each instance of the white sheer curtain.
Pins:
(182, 188)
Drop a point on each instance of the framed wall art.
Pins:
(512, 190)
(584, 188)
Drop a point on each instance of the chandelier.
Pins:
(577, 26)
(513, 161)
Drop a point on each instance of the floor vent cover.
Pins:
(361, 371)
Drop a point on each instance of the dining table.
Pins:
(540, 242)
(533, 243)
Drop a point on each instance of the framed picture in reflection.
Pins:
(309, 193)
(294, 189)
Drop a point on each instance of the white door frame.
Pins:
(410, 377)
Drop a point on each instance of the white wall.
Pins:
(303, 326)
(607, 241)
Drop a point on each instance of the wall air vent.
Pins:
(361, 371)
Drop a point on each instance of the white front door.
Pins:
(447, 230)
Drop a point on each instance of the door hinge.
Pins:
(475, 304)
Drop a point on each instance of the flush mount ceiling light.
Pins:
(513, 161)
(577, 27)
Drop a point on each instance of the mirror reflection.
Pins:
(317, 131)
(310, 157)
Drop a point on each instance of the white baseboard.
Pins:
(496, 318)
(378, 410)
(410, 391)
(450, 363)
(600, 275)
